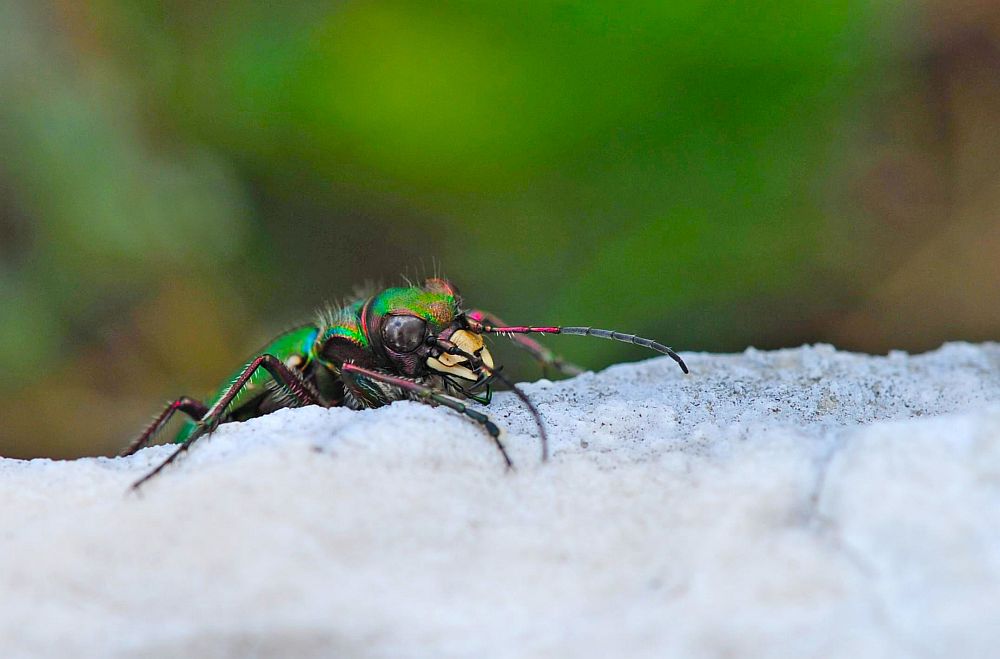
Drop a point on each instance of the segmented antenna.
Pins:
(591, 331)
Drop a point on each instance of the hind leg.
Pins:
(193, 408)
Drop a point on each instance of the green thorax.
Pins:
(344, 322)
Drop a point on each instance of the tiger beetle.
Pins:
(411, 343)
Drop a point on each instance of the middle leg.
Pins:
(304, 392)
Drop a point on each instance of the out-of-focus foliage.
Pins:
(181, 179)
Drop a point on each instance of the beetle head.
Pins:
(408, 327)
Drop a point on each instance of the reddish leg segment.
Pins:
(193, 408)
(302, 390)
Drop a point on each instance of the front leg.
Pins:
(430, 396)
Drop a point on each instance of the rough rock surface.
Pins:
(798, 503)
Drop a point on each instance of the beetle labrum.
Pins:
(409, 343)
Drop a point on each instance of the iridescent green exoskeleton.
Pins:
(411, 343)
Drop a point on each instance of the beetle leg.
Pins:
(209, 421)
(431, 396)
(478, 363)
(540, 353)
(193, 408)
(293, 381)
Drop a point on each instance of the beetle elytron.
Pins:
(412, 343)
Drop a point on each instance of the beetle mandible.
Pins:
(408, 343)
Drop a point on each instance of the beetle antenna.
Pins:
(590, 331)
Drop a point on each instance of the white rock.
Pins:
(798, 503)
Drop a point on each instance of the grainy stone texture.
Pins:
(798, 503)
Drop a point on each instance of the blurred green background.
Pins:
(181, 179)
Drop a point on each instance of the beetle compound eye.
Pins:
(403, 333)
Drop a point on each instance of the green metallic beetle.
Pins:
(410, 343)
